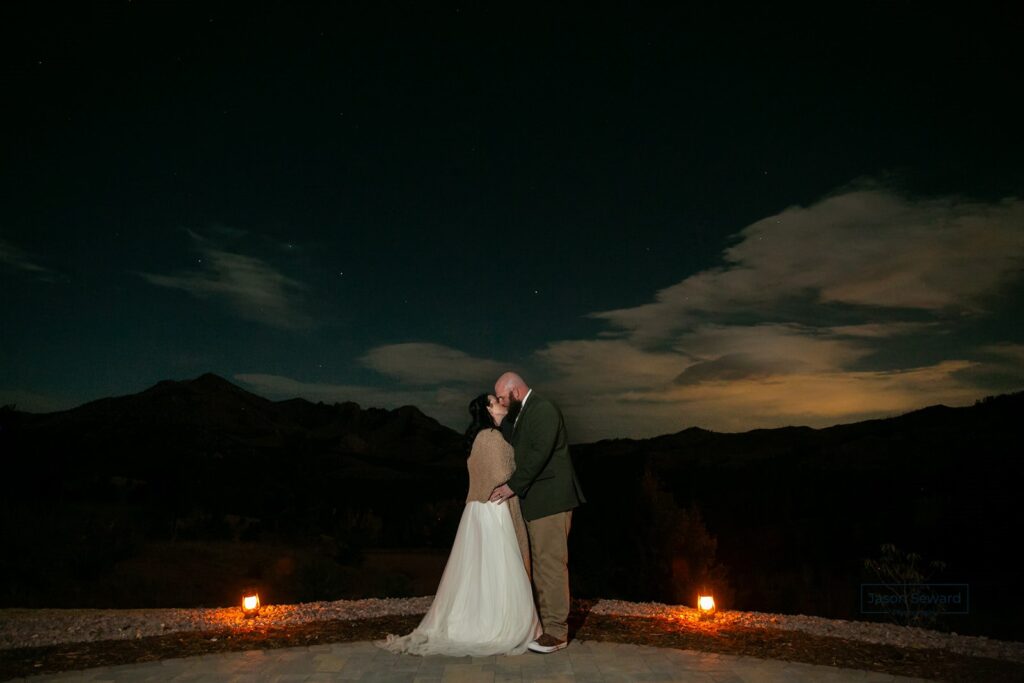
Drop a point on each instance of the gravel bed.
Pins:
(33, 627)
(36, 627)
(864, 631)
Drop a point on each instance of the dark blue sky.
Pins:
(733, 218)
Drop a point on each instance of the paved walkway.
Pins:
(589, 662)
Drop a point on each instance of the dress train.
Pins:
(484, 603)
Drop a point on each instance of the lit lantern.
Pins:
(251, 604)
(706, 605)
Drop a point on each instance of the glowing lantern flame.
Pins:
(706, 605)
(251, 604)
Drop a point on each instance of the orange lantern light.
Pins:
(251, 603)
(706, 605)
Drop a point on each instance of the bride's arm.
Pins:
(498, 456)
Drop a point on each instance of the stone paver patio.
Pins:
(583, 662)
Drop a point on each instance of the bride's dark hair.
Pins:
(480, 420)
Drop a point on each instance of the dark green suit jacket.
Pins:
(544, 480)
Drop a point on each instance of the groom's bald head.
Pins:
(510, 387)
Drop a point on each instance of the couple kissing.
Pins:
(512, 541)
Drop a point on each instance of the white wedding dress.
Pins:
(484, 603)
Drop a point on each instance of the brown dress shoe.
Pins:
(547, 644)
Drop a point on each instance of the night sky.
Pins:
(729, 219)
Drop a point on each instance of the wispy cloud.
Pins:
(1006, 352)
(251, 287)
(816, 317)
(422, 363)
(999, 368)
(738, 391)
(437, 379)
(866, 304)
(867, 249)
(805, 398)
(18, 259)
(591, 367)
(885, 330)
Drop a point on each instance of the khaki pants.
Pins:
(549, 550)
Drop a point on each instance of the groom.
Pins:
(548, 491)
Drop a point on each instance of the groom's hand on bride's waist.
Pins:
(501, 493)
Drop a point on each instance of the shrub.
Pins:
(906, 575)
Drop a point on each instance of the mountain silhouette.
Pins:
(790, 513)
(210, 415)
(793, 512)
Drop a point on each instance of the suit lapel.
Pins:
(519, 420)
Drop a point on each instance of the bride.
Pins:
(484, 603)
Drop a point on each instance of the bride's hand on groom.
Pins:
(501, 493)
